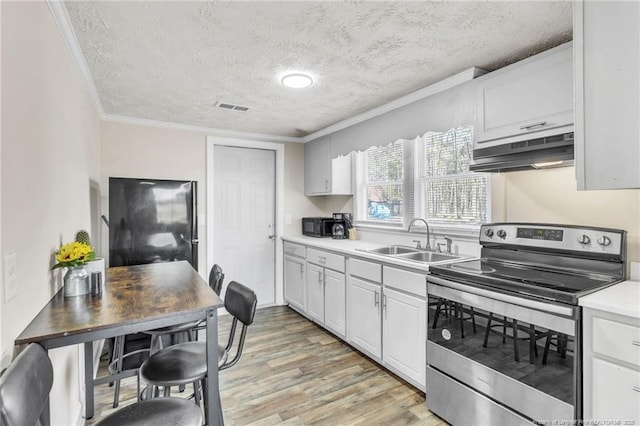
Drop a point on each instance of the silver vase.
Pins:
(76, 281)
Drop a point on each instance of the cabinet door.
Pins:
(363, 316)
(334, 302)
(529, 97)
(317, 167)
(294, 282)
(616, 392)
(607, 86)
(404, 334)
(315, 292)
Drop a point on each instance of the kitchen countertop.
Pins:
(621, 299)
(353, 248)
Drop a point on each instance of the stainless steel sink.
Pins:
(393, 250)
(428, 256)
(412, 254)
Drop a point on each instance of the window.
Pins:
(446, 191)
(380, 196)
(442, 189)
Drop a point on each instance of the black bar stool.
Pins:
(185, 363)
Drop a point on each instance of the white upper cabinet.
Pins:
(607, 86)
(532, 98)
(324, 175)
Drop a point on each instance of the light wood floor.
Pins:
(294, 372)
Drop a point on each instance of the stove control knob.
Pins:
(584, 239)
(489, 233)
(501, 233)
(604, 241)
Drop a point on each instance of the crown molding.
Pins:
(61, 18)
(447, 83)
(210, 131)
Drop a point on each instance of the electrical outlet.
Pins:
(287, 219)
(10, 276)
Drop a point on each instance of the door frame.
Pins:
(278, 148)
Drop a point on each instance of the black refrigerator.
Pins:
(152, 220)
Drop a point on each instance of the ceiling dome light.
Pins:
(297, 81)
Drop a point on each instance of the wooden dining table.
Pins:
(134, 299)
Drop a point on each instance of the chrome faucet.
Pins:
(415, 219)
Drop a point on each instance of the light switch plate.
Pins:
(287, 219)
(10, 276)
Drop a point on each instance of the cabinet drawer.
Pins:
(329, 260)
(616, 340)
(367, 270)
(292, 249)
(616, 392)
(400, 279)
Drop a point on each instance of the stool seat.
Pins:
(179, 364)
(159, 411)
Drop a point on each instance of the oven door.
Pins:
(507, 350)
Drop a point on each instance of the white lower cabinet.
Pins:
(326, 290)
(294, 282)
(388, 322)
(315, 292)
(335, 301)
(611, 368)
(382, 311)
(616, 392)
(404, 334)
(364, 326)
(294, 275)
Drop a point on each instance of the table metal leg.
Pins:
(213, 413)
(88, 380)
(45, 415)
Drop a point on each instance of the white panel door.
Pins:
(244, 218)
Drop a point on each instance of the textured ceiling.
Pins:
(174, 61)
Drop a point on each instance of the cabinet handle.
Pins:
(636, 388)
(531, 126)
(635, 343)
(384, 302)
(322, 259)
(326, 185)
(376, 300)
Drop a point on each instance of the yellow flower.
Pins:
(74, 254)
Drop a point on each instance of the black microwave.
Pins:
(317, 226)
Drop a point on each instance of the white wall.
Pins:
(551, 196)
(146, 152)
(131, 150)
(50, 151)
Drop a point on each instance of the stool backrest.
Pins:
(240, 301)
(216, 278)
(25, 387)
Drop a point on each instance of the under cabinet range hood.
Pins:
(546, 152)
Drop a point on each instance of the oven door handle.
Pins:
(527, 303)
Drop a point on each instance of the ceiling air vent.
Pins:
(232, 106)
